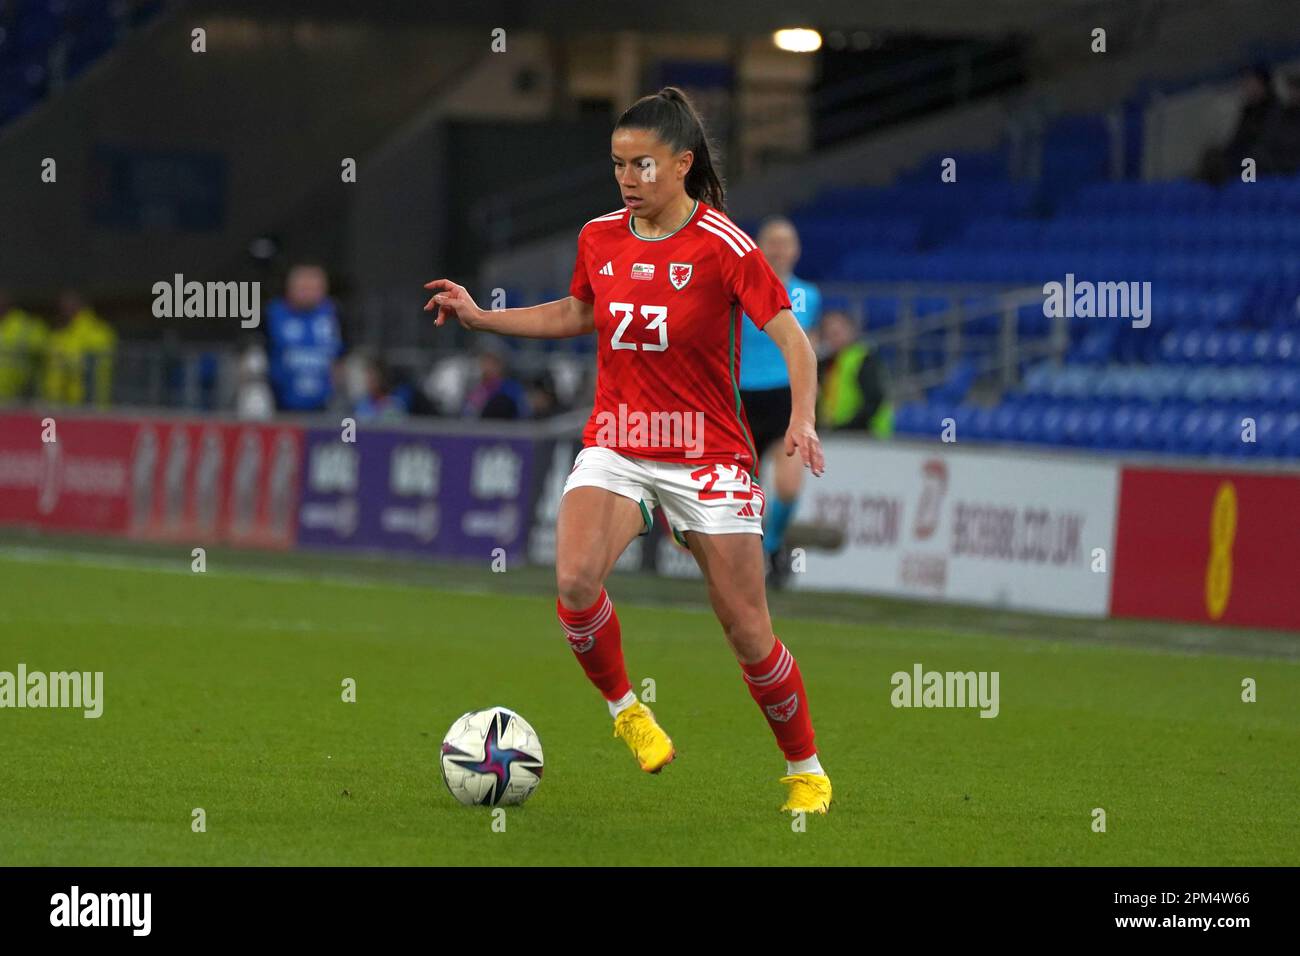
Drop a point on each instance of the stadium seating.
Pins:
(1224, 266)
(41, 37)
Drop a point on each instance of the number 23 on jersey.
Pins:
(652, 319)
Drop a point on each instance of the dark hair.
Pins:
(844, 314)
(670, 115)
(776, 219)
(1260, 71)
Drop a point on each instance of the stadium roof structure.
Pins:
(938, 16)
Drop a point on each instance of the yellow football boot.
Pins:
(649, 744)
(809, 792)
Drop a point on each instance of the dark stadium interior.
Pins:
(1060, 184)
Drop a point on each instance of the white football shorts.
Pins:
(710, 499)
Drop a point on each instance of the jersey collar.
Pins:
(685, 223)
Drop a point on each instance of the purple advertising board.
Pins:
(437, 496)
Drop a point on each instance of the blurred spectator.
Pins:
(253, 398)
(445, 385)
(853, 390)
(543, 402)
(1268, 131)
(349, 381)
(23, 341)
(1259, 105)
(303, 341)
(1280, 149)
(497, 394)
(79, 362)
(383, 399)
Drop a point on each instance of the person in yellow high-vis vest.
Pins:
(23, 340)
(853, 390)
(79, 362)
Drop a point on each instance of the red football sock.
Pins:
(777, 687)
(597, 643)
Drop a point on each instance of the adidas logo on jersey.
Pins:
(608, 268)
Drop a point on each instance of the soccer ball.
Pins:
(491, 758)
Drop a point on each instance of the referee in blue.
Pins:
(765, 389)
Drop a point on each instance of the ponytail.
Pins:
(671, 116)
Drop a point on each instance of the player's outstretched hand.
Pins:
(452, 299)
(802, 437)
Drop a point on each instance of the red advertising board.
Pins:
(199, 481)
(1214, 547)
(173, 480)
(66, 473)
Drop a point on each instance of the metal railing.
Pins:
(902, 342)
(205, 377)
(913, 333)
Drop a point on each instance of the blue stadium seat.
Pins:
(1224, 338)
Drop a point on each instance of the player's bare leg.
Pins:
(733, 566)
(593, 529)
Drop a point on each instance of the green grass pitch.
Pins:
(223, 692)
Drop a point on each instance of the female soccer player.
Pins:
(663, 282)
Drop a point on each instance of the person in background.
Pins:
(1261, 133)
(253, 398)
(1280, 148)
(853, 389)
(444, 386)
(304, 338)
(23, 341)
(543, 402)
(79, 360)
(383, 400)
(497, 394)
(765, 389)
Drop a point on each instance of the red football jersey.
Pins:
(667, 314)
